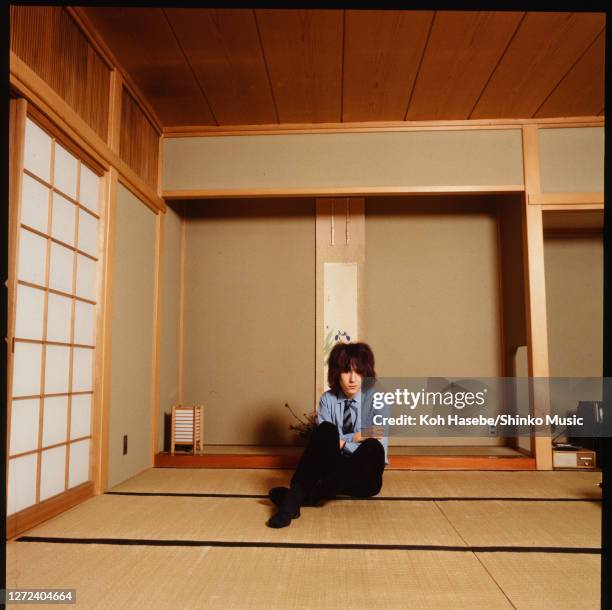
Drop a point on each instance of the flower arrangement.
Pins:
(305, 427)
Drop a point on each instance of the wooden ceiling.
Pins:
(213, 67)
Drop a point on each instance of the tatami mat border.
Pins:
(379, 498)
(308, 545)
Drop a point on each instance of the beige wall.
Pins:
(169, 339)
(432, 292)
(132, 342)
(250, 316)
(432, 287)
(380, 159)
(574, 299)
(572, 159)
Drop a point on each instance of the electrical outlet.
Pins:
(125, 444)
(492, 430)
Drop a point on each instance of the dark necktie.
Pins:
(347, 425)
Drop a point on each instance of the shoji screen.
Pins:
(52, 386)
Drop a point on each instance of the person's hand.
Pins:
(342, 443)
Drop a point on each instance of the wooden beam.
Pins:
(104, 334)
(187, 131)
(396, 462)
(181, 354)
(535, 291)
(350, 191)
(157, 320)
(17, 119)
(114, 111)
(573, 199)
(41, 95)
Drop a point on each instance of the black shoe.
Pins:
(289, 507)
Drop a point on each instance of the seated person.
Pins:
(340, 457)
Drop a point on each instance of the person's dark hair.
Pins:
(347, 356)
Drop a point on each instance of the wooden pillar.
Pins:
(535, 293)
(340, 257)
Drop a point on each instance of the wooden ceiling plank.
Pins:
(381, 57)
(144, 45)
(462, 52)
(543, 50)
(222, 46)
(303, 51)
(582, 87)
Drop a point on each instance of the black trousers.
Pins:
(358, 474)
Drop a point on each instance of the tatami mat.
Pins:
(514, 523)
(107, 577)
(243, 519)
(537, 581)
(434, 484)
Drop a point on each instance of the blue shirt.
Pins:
(331, 409)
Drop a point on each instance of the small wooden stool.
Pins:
(187, 427)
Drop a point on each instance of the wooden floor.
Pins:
(196, 538)
(400, 458)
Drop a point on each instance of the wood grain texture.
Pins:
(582, 88)
(48, 40)
(303, 51)
(143, 42)
(138, 141)
(382, 53)
(463, 50)
(544, 49)
(223, 49)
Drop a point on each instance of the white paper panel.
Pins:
(84, 318)
(52, 472)
(65, 176)
(29, 313)
(37, 153)
(24, 425)
(62, 219)
(26, 369)
(86, 277)
(80, 417)
(60, 271)
(21, 483)
(88, 233)
(34, 204)
(55, 420)
(79, 463)
(90, 184)
(82, 369)
(58, 318)
(56, 369)
(32, 257)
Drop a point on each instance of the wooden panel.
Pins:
(381, 59)
(138, 141)
(396, 462)
(544, 49)
(50, 43)
(29, 517)
(222, 46)
(462, 52)
(154, 60)
(582, 88)
(303, 51)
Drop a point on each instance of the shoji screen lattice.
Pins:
(52, 384)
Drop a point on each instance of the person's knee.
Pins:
(373, 446)
(326, 430)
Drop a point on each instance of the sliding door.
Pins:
(55, 279)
